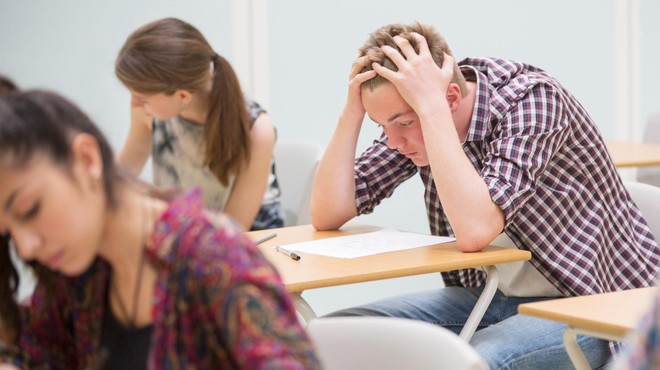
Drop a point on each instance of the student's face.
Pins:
(160, 106)
(400, 123)
(53, 217)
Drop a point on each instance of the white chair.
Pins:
(381, 343)
(647, 198)
(295, 165)
(651, 175)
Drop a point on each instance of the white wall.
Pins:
(70, 46)
(650, 57)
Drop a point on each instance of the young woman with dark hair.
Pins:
(127, 274)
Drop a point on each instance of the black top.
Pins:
(127, 348)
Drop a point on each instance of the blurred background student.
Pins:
(189, 113)
(641, 348)
(6, 86)
(129, 277)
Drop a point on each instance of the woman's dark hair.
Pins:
(42, 123)
(7, 86)
(169, 54)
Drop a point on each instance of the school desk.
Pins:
(628, 154)
(607, 316)
(316, 271)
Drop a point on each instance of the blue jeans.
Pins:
(505, 339)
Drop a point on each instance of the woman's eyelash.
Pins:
(32, 212)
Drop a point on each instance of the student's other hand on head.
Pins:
(354, 109)
(418, 77)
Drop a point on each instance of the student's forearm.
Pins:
(333, 195)
(247, 211)
(137, 146)
(248, 193)
(475, 219)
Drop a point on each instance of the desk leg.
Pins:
(574, 352)
(492, 280)
(303, 308)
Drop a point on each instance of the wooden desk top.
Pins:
(627, 154)
(614, 313)
(315, 271)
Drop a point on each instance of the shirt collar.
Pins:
(479, 126)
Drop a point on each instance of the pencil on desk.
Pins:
(265, 238)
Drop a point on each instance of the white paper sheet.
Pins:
(360, 245)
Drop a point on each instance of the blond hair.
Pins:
(372, 51)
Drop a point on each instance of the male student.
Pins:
(502, 149)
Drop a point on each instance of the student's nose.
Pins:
(27, 242)
(394, 141)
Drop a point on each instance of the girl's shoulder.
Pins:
(254, 109)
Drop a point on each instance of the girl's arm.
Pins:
(137, 147)
(248, 192)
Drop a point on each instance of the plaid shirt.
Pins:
(546, 166)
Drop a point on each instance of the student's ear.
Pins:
(87, 160)
(454, 96)
(185, 97)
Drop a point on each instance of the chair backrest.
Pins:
(370, 343)
(651, 175)
(647, 198)
(295, 166)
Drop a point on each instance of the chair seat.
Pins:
(370, 343)
(647, 198)
(651, 175)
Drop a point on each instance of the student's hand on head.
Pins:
(418, 79)
(354, 109)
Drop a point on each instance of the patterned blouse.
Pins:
(178, 161)
(218, 304)
(546, 166)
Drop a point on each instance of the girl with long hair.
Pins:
(189, 114)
